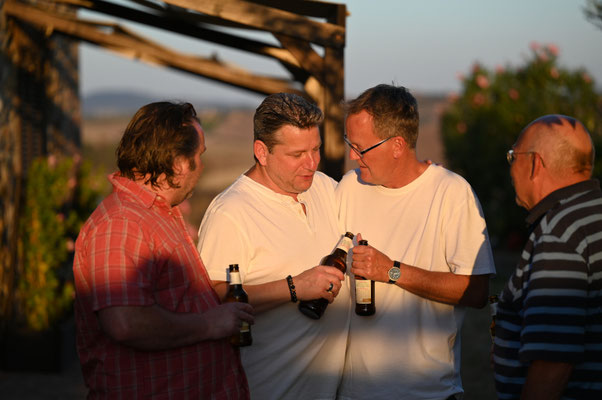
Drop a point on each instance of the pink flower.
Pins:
(534, 46)
(553, 49)
(513, 93)
(554, 73)
(60, 217)
(499, 69)
(71, 183)
(460, 76)
(478, 99)
(453, 97)
(482, 81)
(52, 161)
(543, 56)
(586, 77)
(461, 127)
(70, 245)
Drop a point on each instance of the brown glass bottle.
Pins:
(338, 258)
(493, 309)
(236, 293)
(364, 293)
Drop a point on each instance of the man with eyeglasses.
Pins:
(548, 342)
(428, 252)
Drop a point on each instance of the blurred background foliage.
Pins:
(482, 123)
(60, 194)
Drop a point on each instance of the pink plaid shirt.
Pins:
(134, 251)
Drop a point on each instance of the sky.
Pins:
(423, 45)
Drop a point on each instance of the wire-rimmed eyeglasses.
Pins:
(511, 155)
(359, 152)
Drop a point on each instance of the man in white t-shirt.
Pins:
(277, 221)
(428, 251)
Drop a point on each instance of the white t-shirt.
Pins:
(269, 236)
(410, 349)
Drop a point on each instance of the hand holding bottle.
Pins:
(370, 263)
(315, 282)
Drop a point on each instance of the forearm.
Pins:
(546, 380)
(153, 327)
(262, 297)
(445, 287)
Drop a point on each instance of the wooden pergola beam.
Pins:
(128, 44)
(268, 19)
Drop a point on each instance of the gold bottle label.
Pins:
(363, 291)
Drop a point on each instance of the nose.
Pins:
(312, 160)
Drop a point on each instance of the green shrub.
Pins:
(483, 122)
(59, 197)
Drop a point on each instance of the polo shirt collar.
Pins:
(551, 200)
(139, 193)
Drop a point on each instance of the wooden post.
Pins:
(333, 158)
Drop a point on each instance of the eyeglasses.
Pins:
(511, 155)
(359, 152)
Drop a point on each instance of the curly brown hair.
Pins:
(156, 136)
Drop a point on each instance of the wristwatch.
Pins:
(395, 272)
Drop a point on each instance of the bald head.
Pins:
(563, 143)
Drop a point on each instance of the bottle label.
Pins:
(363, 292)
(245, 327)
(345, 244)
(235, 278)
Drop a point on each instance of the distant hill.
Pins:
(116, 103)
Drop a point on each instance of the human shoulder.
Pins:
(322, 181)
(350, 177)
(242, 193)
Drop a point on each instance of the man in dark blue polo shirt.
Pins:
(548, 342)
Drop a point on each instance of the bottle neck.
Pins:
(235, 278)
(345, 244)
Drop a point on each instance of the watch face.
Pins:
(394, 273)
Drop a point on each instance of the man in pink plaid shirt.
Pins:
(149, 324)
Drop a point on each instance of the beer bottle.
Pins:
(493, 309)
(338, 259)
(238, 294)
(364, 293)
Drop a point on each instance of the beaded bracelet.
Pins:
(291, 288)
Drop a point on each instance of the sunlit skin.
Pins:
(188, 177)
(392, 164)
(537, 171)
(290, 166)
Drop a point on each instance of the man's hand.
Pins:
(226, 319)
(370, 263)
(315, 282)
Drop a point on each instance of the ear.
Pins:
(181, 165)
(537, 167)
(399, 145)
(261, 152)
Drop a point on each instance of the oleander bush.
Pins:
(483, 122)
(60, 194)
